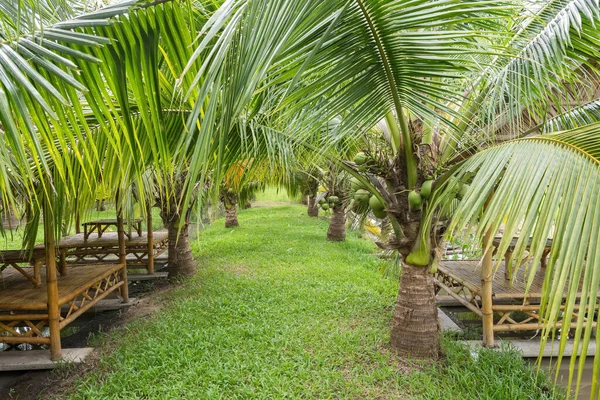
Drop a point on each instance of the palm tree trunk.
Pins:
(337, 226)
(305, 199)
(313, 207)
(181, 260)
(231, 217)
(415, 327)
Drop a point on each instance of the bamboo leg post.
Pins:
(486, 293)
(37, 272)
(63, 262)
(150, 233)
(544, 259)
(507, 265)
(123, 259)
(52, 286)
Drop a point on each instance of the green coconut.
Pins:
(322, 201)
(333, 199)
(325, 206)
(426, 189)
(375, 204)
(415, 201)
(356, 184)
(360, 158)
(379, 213)
(362, 197)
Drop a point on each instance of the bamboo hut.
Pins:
(500, 298)
(36, 306)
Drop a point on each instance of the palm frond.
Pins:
(539, 188)
(577, 117)
(556, 44)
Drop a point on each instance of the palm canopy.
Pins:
(471, 74)
(90, 98)
(463, 69)
(114, 133)
(46, 146)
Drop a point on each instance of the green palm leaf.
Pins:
(539, 188)
(549, 56)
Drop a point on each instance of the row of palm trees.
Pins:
(164, 96)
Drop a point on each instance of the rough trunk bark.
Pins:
(415, 327)
(313, 207)
(181, 261)
(231, 217)
(337, 226)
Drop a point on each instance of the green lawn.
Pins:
(277, 312)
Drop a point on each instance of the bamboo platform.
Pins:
(514, 309)
(76, 249)
(17, 259)
(24, 311)
(468, 273)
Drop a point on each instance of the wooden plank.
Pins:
(109, 239)
(39, 359)
(16, 292)
(146, 277)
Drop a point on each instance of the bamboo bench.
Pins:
(102, 225)
(140, 250)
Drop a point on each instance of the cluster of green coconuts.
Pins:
(364, 198)
(329, 202)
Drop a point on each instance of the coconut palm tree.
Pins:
(68, 84)
(125, 132)
(459, 86)
(337, 184)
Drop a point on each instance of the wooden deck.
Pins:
(17, 293)
(513, 306)
(108, 239)
(76, 249)
(468, 274)
(24, 311)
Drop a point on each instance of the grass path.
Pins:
(278, 312)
